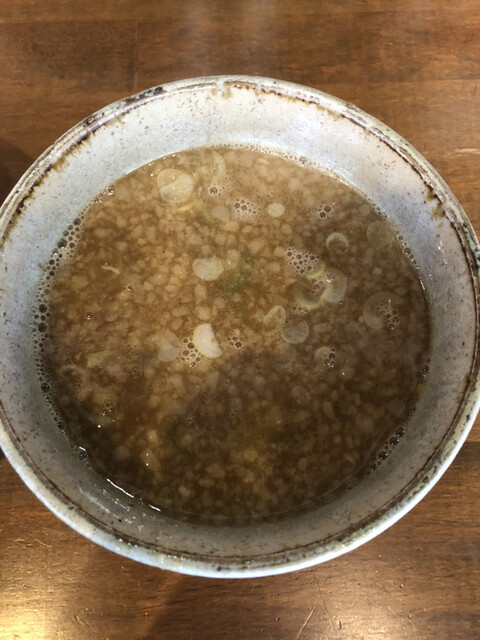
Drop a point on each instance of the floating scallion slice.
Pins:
(205, 341)
(297, 333)
(175, 186)
(275, 319)
(207, 268)
(383, 310)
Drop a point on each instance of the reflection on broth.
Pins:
(232, 333)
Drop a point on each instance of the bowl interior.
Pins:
(277, 115)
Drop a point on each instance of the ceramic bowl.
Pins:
(279, 115)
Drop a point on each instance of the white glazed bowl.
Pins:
(275, 114)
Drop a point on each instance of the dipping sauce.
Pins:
(233, 333)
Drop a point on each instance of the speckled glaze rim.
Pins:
(293, 559)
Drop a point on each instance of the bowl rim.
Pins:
(315, 553)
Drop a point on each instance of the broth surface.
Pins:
(233, 333)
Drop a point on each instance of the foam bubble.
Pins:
(406, 250)
(189, 354)
(301, 260)
(235, 341)
(389, 313)
(387, 448)
(323, 211)
(297, 310)
(216, 190)
(244, 209)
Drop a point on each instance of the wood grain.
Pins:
(416, 66)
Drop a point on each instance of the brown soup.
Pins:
(233, 333)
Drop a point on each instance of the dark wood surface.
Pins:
(413, 64)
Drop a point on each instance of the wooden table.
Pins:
(413, 64)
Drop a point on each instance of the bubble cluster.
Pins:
(407, 252)
(329, 361)
(324, 211)
(62, 250)
(45, 384)
(301, 260)
(326, 356)
(235, 341)
(243, 209)
(389, 313)
(387, 448)
(189, 354)
(216, 190)
(297, 310)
